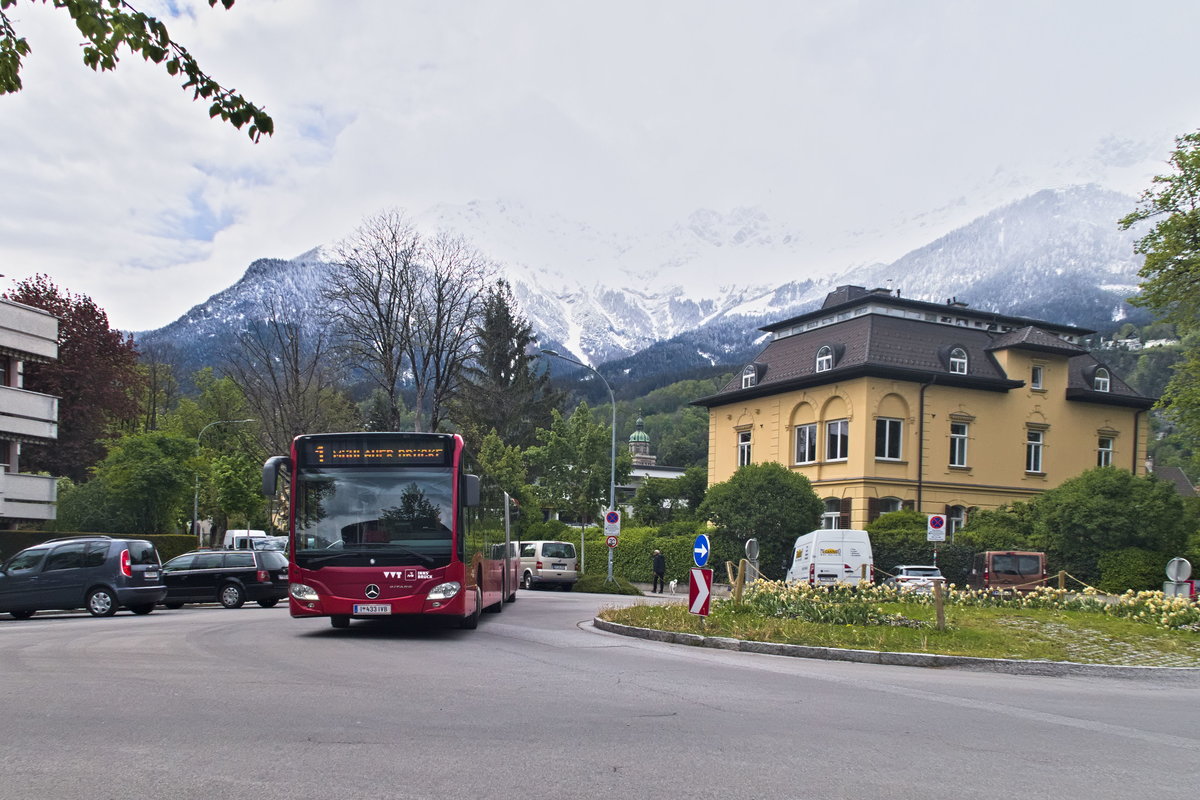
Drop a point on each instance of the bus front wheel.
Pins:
(471, 621)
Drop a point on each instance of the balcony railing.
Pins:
(24, 413)
(28, 330)
(27, 496)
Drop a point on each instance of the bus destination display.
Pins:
(357, 453)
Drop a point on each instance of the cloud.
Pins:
(866, 127)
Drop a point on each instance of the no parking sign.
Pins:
(936, 531)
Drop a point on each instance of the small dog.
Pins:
(673, 584)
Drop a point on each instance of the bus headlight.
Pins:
(444, 591)
(303, 592)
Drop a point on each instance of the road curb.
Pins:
(927, 660)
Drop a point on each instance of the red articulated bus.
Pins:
(391, 524)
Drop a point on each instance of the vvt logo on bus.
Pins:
(409, 574)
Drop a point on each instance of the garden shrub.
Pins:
(1131, 568)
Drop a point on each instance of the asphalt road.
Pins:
(249, 703)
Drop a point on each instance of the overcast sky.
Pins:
(836, 117)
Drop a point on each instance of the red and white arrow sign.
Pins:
(700, 591)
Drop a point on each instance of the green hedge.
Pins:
(1131, 568)
(633, 558)
(168, 545)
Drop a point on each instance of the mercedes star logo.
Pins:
(372, 591)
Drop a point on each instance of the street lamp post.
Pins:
(612, 474)
(196, 494)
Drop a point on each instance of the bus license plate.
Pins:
(372, 608)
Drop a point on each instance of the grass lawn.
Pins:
(988, 632)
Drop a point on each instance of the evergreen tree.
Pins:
(501, 390)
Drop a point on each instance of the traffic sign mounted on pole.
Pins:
(612, 523)
(936, 530)
(611, 541)
(700, 591)
(700, 550)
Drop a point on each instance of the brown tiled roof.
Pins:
(1031, 338)
(1081, 372)
(877, 345)
(1175, 475)
(913, 350)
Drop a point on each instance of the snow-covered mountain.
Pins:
(698, 289)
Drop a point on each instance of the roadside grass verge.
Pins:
(884, 620)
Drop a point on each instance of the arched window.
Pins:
(825, 359)
(958, 361)
(957, 517)
(749, 376)
(889, 504)
(833, 513)
(1101, 381)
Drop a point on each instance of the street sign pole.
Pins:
(612, 529)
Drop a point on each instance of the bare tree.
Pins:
(407, 306)
(285, 370)
(372, 294)
(449, 308)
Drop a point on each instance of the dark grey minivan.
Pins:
(99, 573)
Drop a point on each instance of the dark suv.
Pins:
(99, 573)
(230, 577)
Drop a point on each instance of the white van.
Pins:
(832, 555)
(546, 563)
(243, 539)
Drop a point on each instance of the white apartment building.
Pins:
(26, 334)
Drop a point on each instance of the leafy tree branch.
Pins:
(109, 25)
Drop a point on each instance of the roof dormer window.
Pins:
(958, 361)
(1101, 381)
(749, 376)
(825, 359)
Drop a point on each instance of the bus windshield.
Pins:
(372, 516)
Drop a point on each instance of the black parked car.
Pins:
(99, 573)
(230, 577)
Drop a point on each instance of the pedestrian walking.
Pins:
(660, 570)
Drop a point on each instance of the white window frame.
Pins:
(744, 451)
(1102, 380)
(960, 434)
(824, 359)
(831, 517)
(958, 361)
(956, 519)
(1104, 451)
(1035, 443)
(1037, 377)
(837, 432)
(808, 433)
(749, 376)
(889, 437)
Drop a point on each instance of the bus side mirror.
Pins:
(271, 474)
(470, 490)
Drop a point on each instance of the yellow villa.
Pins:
(886, 403)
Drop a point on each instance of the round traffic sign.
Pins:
(936, 521)
(700, 550)
(611, 541)
(612, 517)
(1179, 569)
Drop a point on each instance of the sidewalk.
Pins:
(681, 591)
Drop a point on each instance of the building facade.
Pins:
(886, 403)
(26, 334)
